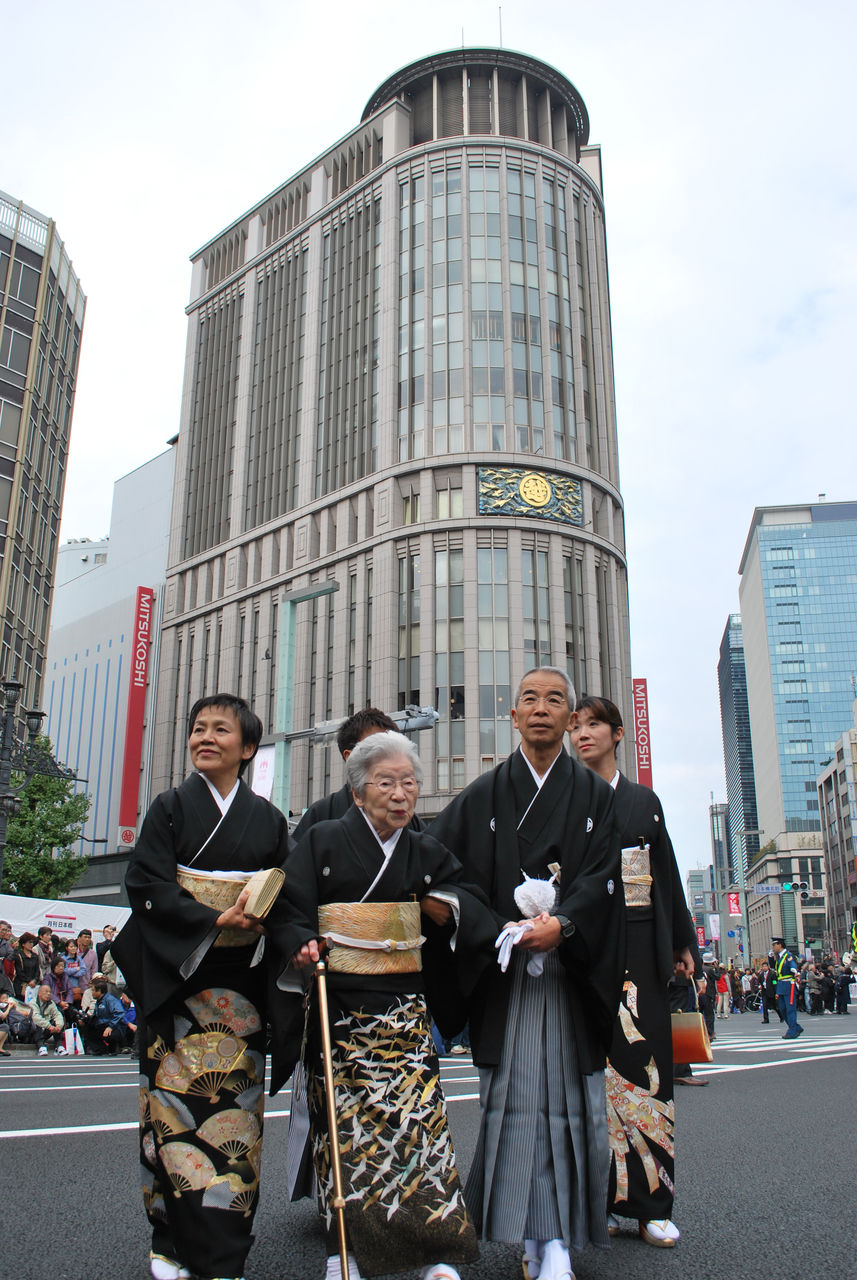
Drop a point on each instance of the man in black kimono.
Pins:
(540, 1036)
(201, 983)
(364, 722)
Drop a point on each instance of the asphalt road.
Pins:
(764, 1170)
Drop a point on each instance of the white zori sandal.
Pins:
(441, 1271)
(661, 1232)
(163, 1268)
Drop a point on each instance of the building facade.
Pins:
(798, 595)
(702, 900)
(718, 820)
(41, 321)
(737, 749)
(399, 378)
(777, 906)
(837, 806)
(101, 676)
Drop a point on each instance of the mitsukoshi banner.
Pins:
(141, 644)
(642, 740)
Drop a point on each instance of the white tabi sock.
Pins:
(334, 1267)
(556, 1262)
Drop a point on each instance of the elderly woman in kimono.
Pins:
(351, 884)
(195, 963)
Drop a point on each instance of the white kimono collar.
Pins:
(222, 802)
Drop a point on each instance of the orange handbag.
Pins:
(690, 1035)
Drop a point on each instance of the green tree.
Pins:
(39, 861)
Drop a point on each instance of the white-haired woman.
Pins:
(351, 884)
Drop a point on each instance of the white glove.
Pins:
(509, 938)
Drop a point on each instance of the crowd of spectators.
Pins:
(824, 987)
(53, 989)
(51, 985)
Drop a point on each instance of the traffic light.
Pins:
(797, 886)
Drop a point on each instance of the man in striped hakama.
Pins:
(540, 1029)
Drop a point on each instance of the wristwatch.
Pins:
(566, 925)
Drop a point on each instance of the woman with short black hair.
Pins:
(194, 962)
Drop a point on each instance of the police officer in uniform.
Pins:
(787, 970)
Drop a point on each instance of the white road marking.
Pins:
(67, 1088)
(716, 1069)
(845, 1047)
(128, 1125)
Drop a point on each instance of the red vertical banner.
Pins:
(140, 646)
(700, 937)
(734, 902)
(642, 741)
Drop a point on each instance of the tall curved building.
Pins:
(400, 377)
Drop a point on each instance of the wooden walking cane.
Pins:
(327, 1056)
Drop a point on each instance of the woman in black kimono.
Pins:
(198, 976)
(660, 941)
(352, 883)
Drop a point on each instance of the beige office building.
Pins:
(42, 309)
(399, 377)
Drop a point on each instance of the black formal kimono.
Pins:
(404, 1206)
(203, 1009)
(639, 1077)
(336, 805)
(541, 1165)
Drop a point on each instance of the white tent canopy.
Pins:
(65, 918)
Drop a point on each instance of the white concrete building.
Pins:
(107, 603)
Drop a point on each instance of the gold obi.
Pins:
(636, 877)
(372, 937)
(220, 890)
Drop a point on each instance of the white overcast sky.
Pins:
(730, 182)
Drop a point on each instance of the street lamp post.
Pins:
(742, 889)
(285, 686)
(25, 758)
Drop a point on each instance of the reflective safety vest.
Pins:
(782, 974)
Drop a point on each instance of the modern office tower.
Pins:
(101, 674)
(399, 379)
(718, 818)
(41, 318)
(837, 802)
(798, 598)
(729, 895)
(701, 898)
(737, 749)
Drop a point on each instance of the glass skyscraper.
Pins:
(798, 598)
(737, 747)
(399, 377)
